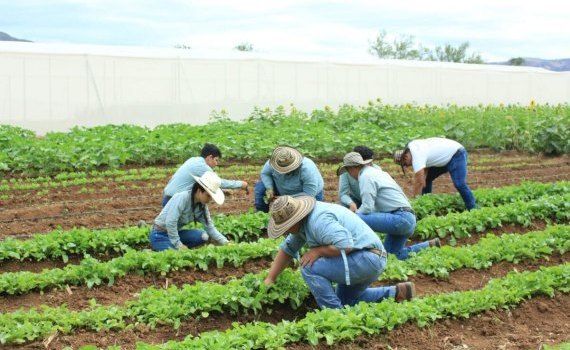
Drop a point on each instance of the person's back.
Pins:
(380, 192)
(432, 152)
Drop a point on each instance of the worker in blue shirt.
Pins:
(185, 207)
(287, 172)
(385, 207)
(342, 249)
(183, 178)
(348, 190)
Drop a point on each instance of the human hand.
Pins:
(353, 207)
(268, 281)
(310, 257)
(269, 196)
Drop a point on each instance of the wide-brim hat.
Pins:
(285, 159)
(353, 159)
(286, 211)
(211, 183)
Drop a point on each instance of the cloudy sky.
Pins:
(498, 29)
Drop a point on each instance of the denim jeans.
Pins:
(457, 168)
(364, 267)
(398, 226)
(191, 238)
(165, 200)
(259, 192)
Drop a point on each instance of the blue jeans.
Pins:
(191, 238)
(457, 168)
(364, 267)
(398, 226)
(165, 200)
(259, 192)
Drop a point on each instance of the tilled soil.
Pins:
(465, 279)
(66, 208)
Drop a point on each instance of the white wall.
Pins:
(55, 91)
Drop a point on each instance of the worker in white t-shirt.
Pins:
(429, 158)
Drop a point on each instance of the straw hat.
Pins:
(285, 159)
(211, 182)
(354, 159)
(286, 211)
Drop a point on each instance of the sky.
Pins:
(497, 29)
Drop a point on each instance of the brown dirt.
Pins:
(125, 287)
(95, 211)
(464, 279)
(530, 325)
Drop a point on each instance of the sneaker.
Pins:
(435, 242)
(405, 291)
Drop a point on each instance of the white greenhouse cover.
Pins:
(52, 87)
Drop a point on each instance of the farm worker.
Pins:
(341, 250)
(348, 190)
(287, 172)
(183, 178)
(385, 207)
(432, 157)
(185, 207)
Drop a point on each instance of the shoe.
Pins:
(434, 242)
(405, 291)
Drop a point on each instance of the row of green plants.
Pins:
(324, 133)
(60, 244)
(335, 325)
(68, 179)
(174, 304)
(94, 272)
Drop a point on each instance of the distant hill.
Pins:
(559, 65)
(7, 37)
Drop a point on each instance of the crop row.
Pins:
(93, 272)
(170, 306)
(335, 325)
(246, 227)
(322, 134)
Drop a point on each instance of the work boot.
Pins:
(405, 291)
(434, 242)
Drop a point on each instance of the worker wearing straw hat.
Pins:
(342, 250)
(348, 190)
(287, 172)
(183, 178)
(385, 207)
(185, 207)
(432, 157)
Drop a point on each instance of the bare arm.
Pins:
(281, 261)
(419, 181)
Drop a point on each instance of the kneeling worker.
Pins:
(342, 250)
(185, 207)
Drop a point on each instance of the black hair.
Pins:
(210, 150)
(201, 206)
(364, 151)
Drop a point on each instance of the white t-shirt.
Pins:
(432, 152)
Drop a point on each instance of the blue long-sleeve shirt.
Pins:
(331, 224)
(379, 192)
(349, 189)
(178, 212)
(182, 179)
(306, 178)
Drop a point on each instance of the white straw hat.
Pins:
(286, 211)
(211, 182)
(285, 159)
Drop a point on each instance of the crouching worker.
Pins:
(342, 250)
(287, 172)
(185, 207)
(385, 207)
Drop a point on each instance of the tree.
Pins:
(404, 47)
(244, 47)
(516, 61)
